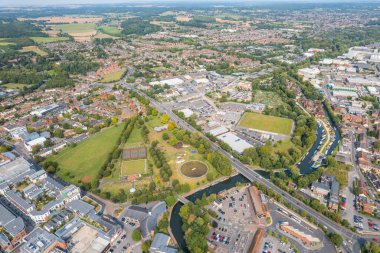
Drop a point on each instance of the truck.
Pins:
(344, 200)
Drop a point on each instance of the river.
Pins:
(305, 167)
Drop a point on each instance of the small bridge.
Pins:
(182, 199)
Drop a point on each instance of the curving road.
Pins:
(330, 225)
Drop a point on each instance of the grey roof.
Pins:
(334, 194)
(38, 241)
(15, 226)
(52, 184)
(13, 169)
(160, 244)
(16, 198)
(12, 224)
(79, 206)
(151, 222)
(320, 186)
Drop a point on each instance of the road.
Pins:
(330, 225)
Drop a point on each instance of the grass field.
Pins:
(43, 40)
(266, 123)
(75, 28)
(14, 85)
(101, 35)
(113, 77)
(133, 167)
(110, 30)
(88, 156)
(34, 49)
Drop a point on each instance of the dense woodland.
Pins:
(138, 26)
(11, 28)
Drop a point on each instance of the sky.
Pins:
(6, 3)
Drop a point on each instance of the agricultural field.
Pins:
(44, 40)
(100, 35)
(80, 32)
(75, 28)
(5, 42)
(110, 30)
(270, 99)
(88, 156)
(34, 49)
(66, 19)
(133, 167)
(113, 77)
(266, 123)
(14, 85)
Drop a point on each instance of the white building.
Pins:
(30, 144)
(236, 143)
(170, 82)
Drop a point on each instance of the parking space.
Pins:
(235, 222)
(274, 244)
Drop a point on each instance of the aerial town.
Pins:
(175, 127)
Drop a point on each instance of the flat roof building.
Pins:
(236, 143)
(160, 244)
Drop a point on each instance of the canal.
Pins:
(305, 167)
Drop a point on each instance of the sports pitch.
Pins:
(133, 167)
(266, 123)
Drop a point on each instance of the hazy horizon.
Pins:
(15, 3)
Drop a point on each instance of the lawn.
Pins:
(75, 28)
(88, 156)
(133, 167)
(34, 49)
(266, 123)
(175, 156)
(110, 30)
(135, 138)
(283, 145)
(113, 77)
(43, 40)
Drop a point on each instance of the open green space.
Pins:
(114, 76)
(266, 123)
(14, 85)
(110, 30)
(268, 98)
(75, 28)
(86, 159)
(135, 138)
(43, 40)
(34, 49)
(283, 145)
(133, 167)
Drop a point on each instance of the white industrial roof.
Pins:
(187, 112)
(237, 144)
(218, 131)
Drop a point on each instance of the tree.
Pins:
(170, 200)
(136, 235)
(336, 239)
(376, 145)
(171, 126)
(165, 136)
(114, 120)
(146, 246)
(165, 118)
